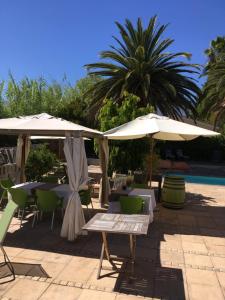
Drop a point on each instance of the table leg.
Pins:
(132, 252)
(100, 261)
(105, 249)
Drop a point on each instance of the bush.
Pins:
(40, 161)
(129, 154)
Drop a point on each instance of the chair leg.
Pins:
(52, 223)
(21, 217)
(34, 218)
(8, 262)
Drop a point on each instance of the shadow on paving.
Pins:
(201, 216)
(25, 269)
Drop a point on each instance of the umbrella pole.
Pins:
(151, 159)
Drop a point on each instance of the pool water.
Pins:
(201, 179)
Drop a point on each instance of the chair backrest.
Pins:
(131, 205)
(19, 196)
(85, 196)
(6, 183)
(47, 201)
(6, 219)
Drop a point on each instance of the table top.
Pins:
(118, 223)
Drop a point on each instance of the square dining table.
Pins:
(131, 225)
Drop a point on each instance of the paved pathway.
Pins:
(183, 257)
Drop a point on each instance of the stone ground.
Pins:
(183, 257)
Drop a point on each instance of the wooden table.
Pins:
(131, 225)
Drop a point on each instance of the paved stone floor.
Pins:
(183, 257)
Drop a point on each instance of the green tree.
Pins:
(142, 65)
(217, 47)
(124, 155)
(212, 103)
(34, 96)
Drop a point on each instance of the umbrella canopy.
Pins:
(43, 124)
(46, 137)
(158, 127)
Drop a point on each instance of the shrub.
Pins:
(40, 161)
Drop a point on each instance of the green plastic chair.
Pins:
(5, 184)
(22, 199)
(47, 201)
(5, 221)
(85, 198)
(131, 205)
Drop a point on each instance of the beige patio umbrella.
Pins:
(157, 127)
(47, 125)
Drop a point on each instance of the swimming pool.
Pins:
(201, 179)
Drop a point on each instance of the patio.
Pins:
(183, 257)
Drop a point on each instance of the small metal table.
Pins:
(131, 225)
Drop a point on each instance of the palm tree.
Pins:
(213, 99)
(140, 65)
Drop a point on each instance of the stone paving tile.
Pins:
(25, 289)
(96, 295)
(108, 279)
(216, 249)
(32, 254)
(221, 278)
(198, 247)
(209, 240)
(59, 292)
(204, 277)
(218, 262)
(126, 297)
(6, 286)
(171, 245)
(177, 260)
(192, 238)
(79, 269)
(169, 257)
(13, 251)
(197, 260)
(204, 291)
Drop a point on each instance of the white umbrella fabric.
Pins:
(78, 175)
(158, 127)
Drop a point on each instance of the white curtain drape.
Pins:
(78, 175)
(22, 152)
(104, 190)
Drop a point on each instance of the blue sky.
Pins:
(51, 38)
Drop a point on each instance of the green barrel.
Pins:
(173, 192)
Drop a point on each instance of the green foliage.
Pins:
(142, 65)
(217, 47)
(34, 96)
(212, 104)
(40, 161)
(124, 155)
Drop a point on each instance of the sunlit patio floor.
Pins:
(183, 257)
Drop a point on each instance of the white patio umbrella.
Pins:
(157, 127)
(47, 125)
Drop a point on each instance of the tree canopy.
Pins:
(212, 103)
(141, 64)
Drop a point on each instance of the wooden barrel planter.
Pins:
(173, 192)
